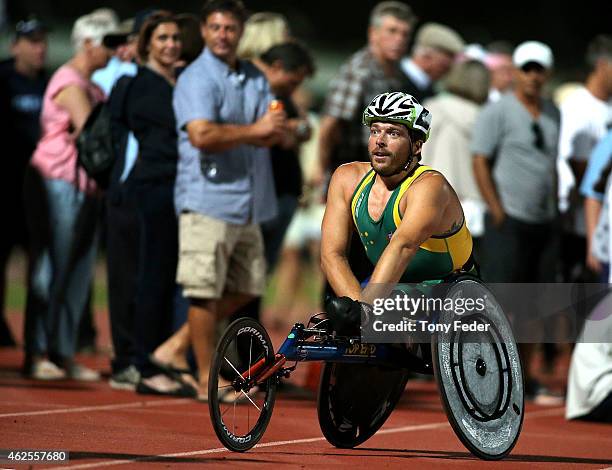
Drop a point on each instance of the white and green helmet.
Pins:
(398, 107)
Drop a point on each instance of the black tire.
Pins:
(266, 392)
(355, 400)
(480, 376)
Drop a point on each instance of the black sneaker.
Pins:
(538, 394)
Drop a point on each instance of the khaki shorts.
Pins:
(217, 257)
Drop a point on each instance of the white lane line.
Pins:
(81, 409)
(219, 450)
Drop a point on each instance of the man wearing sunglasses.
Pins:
(515, 148)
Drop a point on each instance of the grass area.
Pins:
(16, 290)
(15, 296)
(309, 292)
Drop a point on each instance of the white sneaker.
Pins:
(82, 373)
(44, 369)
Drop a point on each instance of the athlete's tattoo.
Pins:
(454, 228)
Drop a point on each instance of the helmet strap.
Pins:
(408, 162)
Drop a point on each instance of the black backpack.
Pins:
(103, 136)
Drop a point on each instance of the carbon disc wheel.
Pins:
(479, 374)
(355, 400)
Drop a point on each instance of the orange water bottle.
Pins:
(276, 105)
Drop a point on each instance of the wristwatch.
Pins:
(302, 129)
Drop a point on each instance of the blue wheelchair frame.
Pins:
(352, 350)
(296, 347)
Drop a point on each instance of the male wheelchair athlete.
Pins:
(478, 373)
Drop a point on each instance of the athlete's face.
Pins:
(389, 146)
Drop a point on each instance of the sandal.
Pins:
(166, 367)
(229, 395)
(184, 391)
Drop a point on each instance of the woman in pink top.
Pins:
(63, 254)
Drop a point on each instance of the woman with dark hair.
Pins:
(191, 38)
(149, 115)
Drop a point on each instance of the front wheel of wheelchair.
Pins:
(355, 400)
(239, 412)
(479, 374)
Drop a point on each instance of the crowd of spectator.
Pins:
(207, 193)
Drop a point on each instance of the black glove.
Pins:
(346, 315)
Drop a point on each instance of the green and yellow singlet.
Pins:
(436, 258)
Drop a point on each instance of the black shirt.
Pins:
(150, 116)
(21, 100)
(286, 163)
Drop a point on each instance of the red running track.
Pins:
(101, 428)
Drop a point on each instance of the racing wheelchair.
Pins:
(478, 373)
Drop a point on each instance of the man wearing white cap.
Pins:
(435, 48)
(520, 131)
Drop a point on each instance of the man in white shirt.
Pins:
(585, 115)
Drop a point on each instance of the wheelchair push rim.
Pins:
(239, 402)
(479, 375)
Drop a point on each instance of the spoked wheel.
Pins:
(240, 406)
(355, 400)
(479, 375)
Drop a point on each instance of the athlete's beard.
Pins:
(393, 169)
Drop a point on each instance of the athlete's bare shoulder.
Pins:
(347, 177)
(431, 180)
(432, 183)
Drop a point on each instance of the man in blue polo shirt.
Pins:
(224, 185)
